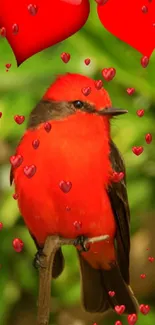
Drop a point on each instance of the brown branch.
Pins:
(52, 244)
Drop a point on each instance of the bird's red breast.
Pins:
(75, 150)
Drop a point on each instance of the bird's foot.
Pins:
(37, 262)
(82, 242)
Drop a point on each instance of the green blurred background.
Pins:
(20, 89)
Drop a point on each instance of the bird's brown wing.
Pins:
(97, 283)
(11, 176)
(119, 201)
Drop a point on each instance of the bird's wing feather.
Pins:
(11, 176)
(119, 201)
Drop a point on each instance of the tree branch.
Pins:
(52, 244)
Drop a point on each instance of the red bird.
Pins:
(62, 177)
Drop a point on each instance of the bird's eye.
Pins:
(78, 104)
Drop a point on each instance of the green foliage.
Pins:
(20, 90)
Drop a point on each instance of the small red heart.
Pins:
(15, 196)
(117, 177)
(30, 29)
(86, 91)
(144, 61)
(68, 208)
(19, 119)
(65, 186)
(98, 84)
(1, 114)
(8, 65)
(144, 309)
(1, 225)
(144, 9)
(148, 138)
(118, 322)
(33, 9)
(111, 293)
(87, 61)
(16, 161)
(15, 29)
(130, 21)
(132, 319)
(130, 91)
(140, 112)
(120, 309)
(143, 276)
(47, 126)
(29, 171)
(18, 245)
(65, 57)
(137, 150)
(77, 225)
(35, 143)
(3, 32)
(151, 259)
(108, 73)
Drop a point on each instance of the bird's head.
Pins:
(71, 93)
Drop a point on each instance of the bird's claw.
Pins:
(82, 242)
(37, 263)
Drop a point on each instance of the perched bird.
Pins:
(67, 181)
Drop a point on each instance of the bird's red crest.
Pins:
(69, 87)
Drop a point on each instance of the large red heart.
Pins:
(132, 21)
(54, 21)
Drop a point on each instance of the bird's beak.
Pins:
(111, 111)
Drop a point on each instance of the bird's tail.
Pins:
(97, 283)
(112, 280)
